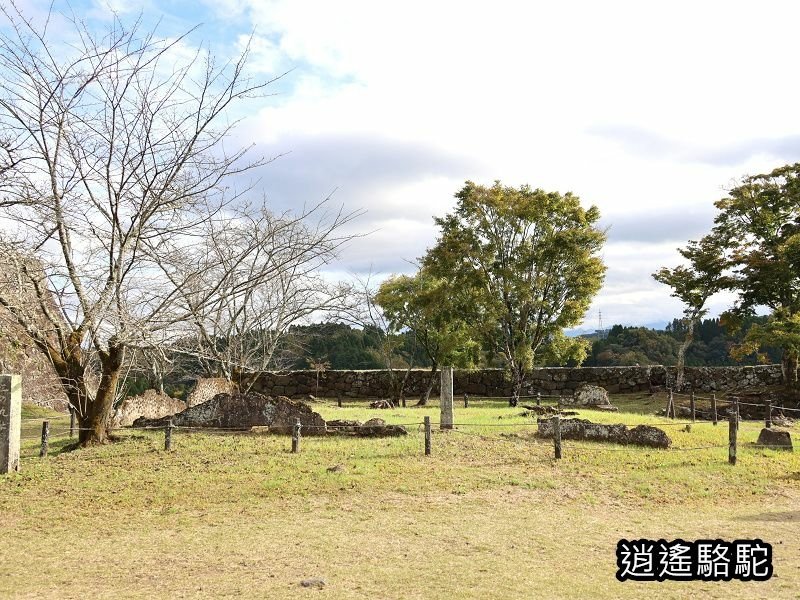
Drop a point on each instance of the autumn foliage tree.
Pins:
(693, 284)
(753, 250)
(528, 260)
(758, 226)
(427, 307)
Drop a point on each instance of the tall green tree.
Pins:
(759, 226)
(426, 306)
(529, 262)
(694, 284)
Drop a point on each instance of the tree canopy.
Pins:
(426, 306)
(754, 251)
(758, 226)
(529, 262)
(694, 285)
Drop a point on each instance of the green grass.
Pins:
(489, 515)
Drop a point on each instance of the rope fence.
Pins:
(731, 405)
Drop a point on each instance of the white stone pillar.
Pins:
(10, 422)
(446, 399)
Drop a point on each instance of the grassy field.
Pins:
(490, 514)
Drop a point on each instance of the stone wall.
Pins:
(207, 387)
(493, 382)
(149, 404)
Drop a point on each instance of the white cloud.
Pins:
(522, 89)
(646, 110)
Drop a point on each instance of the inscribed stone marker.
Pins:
(10, 422)
(446, 399)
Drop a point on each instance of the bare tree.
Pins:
(362, 310)
(115, 155)
(254, 276)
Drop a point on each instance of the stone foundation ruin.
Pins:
(266, 414)
(244, 411)
(582, 429)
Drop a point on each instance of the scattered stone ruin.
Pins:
(150, 404)
(775, 438)
(587, 394)
(262, 413)
(244, 411)
(378, 428)
(582, 429)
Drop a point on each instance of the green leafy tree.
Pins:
(528, 261)
(694, 285)
(759, 226)
(425, 305)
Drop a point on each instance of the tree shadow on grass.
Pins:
(782, 517)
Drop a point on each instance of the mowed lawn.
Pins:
(490, 514)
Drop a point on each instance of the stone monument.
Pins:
(10, 422)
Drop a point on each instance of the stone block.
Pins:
(379, 428)
(775, 438)
(582, 429)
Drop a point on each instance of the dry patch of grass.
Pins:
(489, 515)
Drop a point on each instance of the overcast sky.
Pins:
(647, 110)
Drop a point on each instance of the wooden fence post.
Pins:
(768, 414)
(538, 398)
(714, 407)
(168, 436)
(692, 405)
(71, 421)
(466, 401)
(733, 426)
(296, 437)
(427, 436)
(339, 399)
(45, 439)
(557, 436)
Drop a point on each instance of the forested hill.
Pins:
(344, 347)
(639, 345)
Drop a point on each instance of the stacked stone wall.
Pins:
(494, 382)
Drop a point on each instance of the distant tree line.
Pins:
(712, 345)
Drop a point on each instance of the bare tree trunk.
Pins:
(687, 341)
(426, 394)
(94, 423)
(399, 389)
(517, 381)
